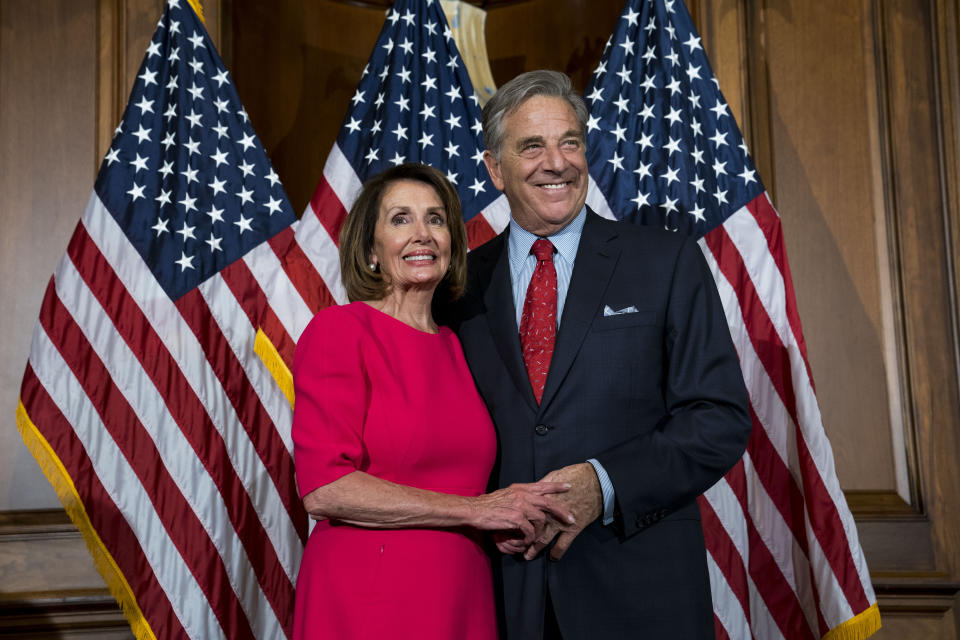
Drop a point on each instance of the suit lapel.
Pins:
(501, 318)
(595, 262)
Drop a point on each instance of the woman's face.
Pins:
(411, 242)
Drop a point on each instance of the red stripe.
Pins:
(772, 585)
(189, 413)
(823, 515)
(301, 271)
(180, 522)
(329, 210)
(254, 302)
(780, 485)
(479, 231)
(725, 554)
(769, 222)
(105, 518)
(245, 401)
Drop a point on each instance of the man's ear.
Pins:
(493, 168)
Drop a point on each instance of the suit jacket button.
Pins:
(542, 429)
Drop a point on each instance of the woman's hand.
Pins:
(520, 511)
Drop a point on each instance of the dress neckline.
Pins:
(399, 322)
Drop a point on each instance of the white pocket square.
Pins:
(607, 311)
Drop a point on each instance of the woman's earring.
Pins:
(373, 266)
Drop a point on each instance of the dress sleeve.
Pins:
(331, 398)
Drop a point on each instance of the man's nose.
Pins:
(553, 159)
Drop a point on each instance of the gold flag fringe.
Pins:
(67, 492)
(198, 10)
(863, 625)
(275, 364)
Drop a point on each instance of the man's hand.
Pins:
(585, 502)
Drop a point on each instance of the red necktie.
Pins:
(538, 323)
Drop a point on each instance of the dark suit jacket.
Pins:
(656, 396)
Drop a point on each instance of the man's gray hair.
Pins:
(510, 96)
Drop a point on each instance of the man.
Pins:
(634, 397)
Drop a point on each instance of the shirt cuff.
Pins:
(606, 487)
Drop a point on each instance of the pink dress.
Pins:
(376, 395)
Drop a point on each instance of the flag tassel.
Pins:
(863, 625)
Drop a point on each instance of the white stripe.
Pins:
(278, 289)
(497, 214)
(179, 339)
(195, 485)
(341, 177)
(323, 254)
(761, 622)
(750, 242)
(122, 485)
(726, 606)
(833, 603)
(240, 334)
(597, 201)
(781, 543)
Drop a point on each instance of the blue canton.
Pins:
(662, 144)
(415, 103)
(186, 178)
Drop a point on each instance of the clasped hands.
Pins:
(559, 506)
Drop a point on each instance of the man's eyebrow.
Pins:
(522, 142)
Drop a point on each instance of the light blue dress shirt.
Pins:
(522, 264)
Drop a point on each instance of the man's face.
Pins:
(543, 165)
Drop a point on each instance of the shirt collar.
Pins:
(566, 241)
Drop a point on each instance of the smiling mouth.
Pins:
(555, 187)
(420, 258)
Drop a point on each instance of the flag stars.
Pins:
(171, 112)
(149, 77)
(272, 177)
(601, 69)
(221, 78)
(645, 141)
(185, 262)
(618, 132)
(174, 55)
(674, 86)
(153, 49)
(216, 214)
(353, 125)
(221, 105)
(136, 191)
(693, 73)
(648, 83)
(187, 232)
(196, 40)
(477, 187)
(407, 46)
(672, 146)
(719, 139)
(273, 205)
(112, 156)
(217, 185)
(427, 113)
(221, 130)
(641, 200)
(246, 142)
(478, 156)
(388, 46)
(428, 83)
(697, 184)
(623, 104)
(453, 93)
(673, 58)
(647, 112)
(397, 159)
(453, 121)
(408, 17)
(197, 66)
(616, 161)
(376, 126)
(643, 170)
(220, 157)
(674, 116)
(719, 168)
(172, 84)
(748, 176)
(160, 227)
(720, 195)
(163, 198)
(697, 214)
(168, 141)
(246, 168)
(404, 75)
(429, 55)
(371, 155)
(624, 74)
(403, 104)
(244, 224)
(720, 109)
(357, 98)
(193, 118)
(245, 195)
(214, 243)
(631, 17)
(426, 140)
(452, 177)
(400, 132)
(671, 175)
(650, 54)
(193, 146)
(669, 205)
(627, 45)
(167, 169)
(697, 155)
(693, 42)
(243, 114)
(142, 134)
(190, 173)
(593, 123)
(452, 149)
(139, 163)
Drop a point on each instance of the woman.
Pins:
(393, 446)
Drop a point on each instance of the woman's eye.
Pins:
(437, 220)
(398, 219)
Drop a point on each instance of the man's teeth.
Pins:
(419, 258)
(554, 186)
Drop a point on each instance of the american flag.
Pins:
(664, 149)
(165, 436)
(414, 103)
